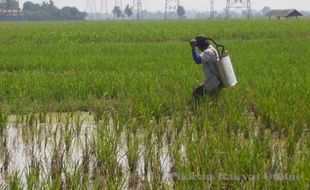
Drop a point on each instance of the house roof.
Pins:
(284, 13)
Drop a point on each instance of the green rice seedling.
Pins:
(155, 156)
(148, 143)
(57, 162)
(5, 158)
(3, 123)
(86, 157)
(67, 133)
(33, 175)
(14, 182)
(76, 179)
(107, 170)
(133, 155)
(78, 122)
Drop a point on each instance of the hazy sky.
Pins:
(201, 5)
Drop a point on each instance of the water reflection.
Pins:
(65, 142)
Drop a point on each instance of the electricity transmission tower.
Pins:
(119, 3)
(91, 6)
(241, 6)
(211, 9)
(95, 8)
(171, 6)
(104, 7)
(137, 9)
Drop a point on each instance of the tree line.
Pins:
(129, 12)
(44, 11)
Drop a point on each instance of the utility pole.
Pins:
(19, 10)
(234, 6)
(91, 8)
(166, 9)
(119, 3)
(94, 6)
(211, 9)
(249, 8)
(97, 9)
(137, 9)
(171, 6)
(104, 7)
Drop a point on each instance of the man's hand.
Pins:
(193, 43)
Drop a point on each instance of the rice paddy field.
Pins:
(108, 105)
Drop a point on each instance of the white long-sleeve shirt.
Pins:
(209, 57)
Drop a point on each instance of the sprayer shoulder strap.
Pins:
(217, 59)
(216, 53)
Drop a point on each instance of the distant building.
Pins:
(9, 10)
(285, 13)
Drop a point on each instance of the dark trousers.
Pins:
(199, 92)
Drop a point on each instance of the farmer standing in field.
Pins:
(208, 58)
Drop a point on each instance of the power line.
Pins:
(104, 7)
(91, 6)
(118, 3)
(235, 6)
(137, 9)
(97, 9)
(171, 6)
(211, 9)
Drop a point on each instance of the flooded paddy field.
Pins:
(64, 147)
(108, 105)
(80, 150)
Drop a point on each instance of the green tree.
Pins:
(71, 13)
(53, 11)
(9, 4)
(48, 11)
(30, 10)
(181, 11)
(266, 10)
(117, 11)
(128, 11)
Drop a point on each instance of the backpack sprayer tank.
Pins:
(225, 67)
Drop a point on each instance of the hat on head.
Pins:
(202, 41)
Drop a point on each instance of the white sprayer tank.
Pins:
(227, 72)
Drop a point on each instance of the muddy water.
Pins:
(65, 139)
